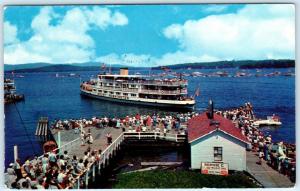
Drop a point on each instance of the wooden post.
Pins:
(94, 173)
(78, 183)
(87, 179)
(15, 152)
(99, 167)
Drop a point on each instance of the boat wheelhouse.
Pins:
(139, 89)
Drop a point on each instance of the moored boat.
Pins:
(270, 121)
(10, 94)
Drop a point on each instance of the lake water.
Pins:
(59, 98)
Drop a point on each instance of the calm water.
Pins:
(47, 95)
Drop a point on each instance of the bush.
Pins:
(181, 179)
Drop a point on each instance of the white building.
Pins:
(213, 138)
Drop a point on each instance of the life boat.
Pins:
(49, 146)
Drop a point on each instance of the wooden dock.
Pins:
(266, 175)
(70, 141)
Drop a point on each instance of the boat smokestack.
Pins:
(124, 71)
(210, 110)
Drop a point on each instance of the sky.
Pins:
(148, 35)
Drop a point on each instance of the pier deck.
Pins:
(99, 136)
(266, 175)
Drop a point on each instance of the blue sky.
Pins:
(148, 34)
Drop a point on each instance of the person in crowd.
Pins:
(52, 158)
(74, 161)
(11, 176)
(17, 168)
(80, 166)
(109, 138)
(66, 156)
(90, 138)
(82, 138)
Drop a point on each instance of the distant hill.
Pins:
(9, 67)
(67, 68)
(93, 66)
(243, 64)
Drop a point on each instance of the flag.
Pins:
(103, 66)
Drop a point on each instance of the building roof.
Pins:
(200, 126)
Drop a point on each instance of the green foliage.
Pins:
(181, 179)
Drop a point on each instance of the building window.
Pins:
(218, 153)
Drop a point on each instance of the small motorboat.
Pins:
(270, 121)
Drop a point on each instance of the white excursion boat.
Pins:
(138, 89)
(270, 121)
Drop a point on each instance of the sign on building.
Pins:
(214, 168)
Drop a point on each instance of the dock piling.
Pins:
(94, 173)
(42, 127)
(15, 153)
(87, 179)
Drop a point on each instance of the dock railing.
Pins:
(90, 171)
(156, 135)
(109, 152)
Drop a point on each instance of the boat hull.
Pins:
(266, 123)
(151, 104)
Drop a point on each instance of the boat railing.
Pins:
(167, 92)
(135, 90)
(147, 82)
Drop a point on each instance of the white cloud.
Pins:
(103, 17)
(66, 41)
(10, 33)
(180, 57)
(214, 8)
(254, 32)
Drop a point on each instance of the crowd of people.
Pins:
(137, 123)
(280, 156)
(60, 170)
(50, 171)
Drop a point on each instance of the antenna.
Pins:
(110, 68)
